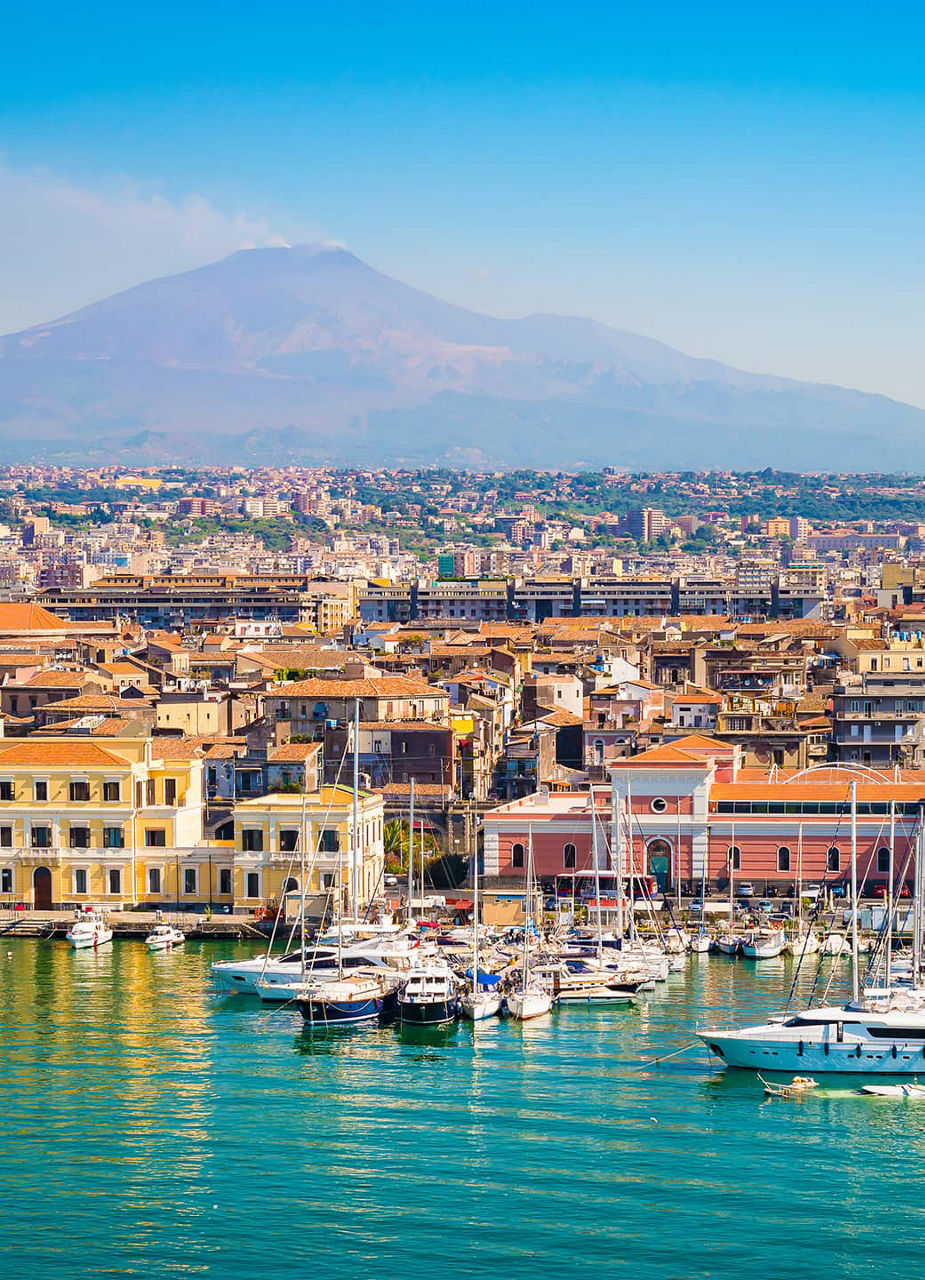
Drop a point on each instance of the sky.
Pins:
(743, 181)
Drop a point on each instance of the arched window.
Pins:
(883, 861)
(833, 859)
(783, 858)
(291, 885)
(517, 855)
(734, 857)
(568, 857)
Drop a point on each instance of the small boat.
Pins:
(764, 944)
(164, 937)
(803, 944)
(530, 1001)
(795, 1089)
(701, 944)
(914, 1090)
(89, 930)
(477, 1005)
(428, 997)
(343, 1001)
(730, 944)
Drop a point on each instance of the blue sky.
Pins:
(745, 182)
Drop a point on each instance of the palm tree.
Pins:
(395, 843)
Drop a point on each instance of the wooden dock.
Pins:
(137, 925)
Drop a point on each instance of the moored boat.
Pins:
(165, 937)
(89, 930)
(428, 997)
(764, 944)
(342, 1001)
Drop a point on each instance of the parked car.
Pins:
(745, 890)
(765, 905)
(811, 891)
(879, 891)
(839, 890)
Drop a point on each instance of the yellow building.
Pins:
(113, 824)
(271, 831)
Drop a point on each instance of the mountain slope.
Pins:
(307, 354)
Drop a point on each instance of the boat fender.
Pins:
(800, 1049)
(826, 1048)
(857, 1052)
(894, 1051)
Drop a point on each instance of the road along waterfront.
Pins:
(150, 1123)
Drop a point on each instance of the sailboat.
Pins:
(880, 1032)
(700, 944)
(478, 1003)
(528, 999)
(344, 1000)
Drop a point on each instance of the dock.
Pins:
(136, 925)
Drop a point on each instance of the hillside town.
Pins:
(179, 703)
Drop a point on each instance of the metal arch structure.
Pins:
(860, 771)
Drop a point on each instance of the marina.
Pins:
(186, 1111)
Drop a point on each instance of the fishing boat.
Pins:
(428, 997)
(764, 944)
(529, 998)
(343, 1001)
(165, 937)
(89, 930)
(730, 944)
(797, 1087)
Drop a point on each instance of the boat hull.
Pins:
(341, 1013)
(809, 1057)
(82, 942)
(476, 1008)
(427, 1013)
(530, 1004)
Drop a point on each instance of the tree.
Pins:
(395, 843)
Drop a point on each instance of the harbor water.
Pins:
(151, 1126)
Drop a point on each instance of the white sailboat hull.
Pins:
(701, 944)
(479, 1005)
(528, 1004)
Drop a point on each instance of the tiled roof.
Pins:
(29, 617)
(59, 680)
(77, 754)
(293, 752)
(371, 687)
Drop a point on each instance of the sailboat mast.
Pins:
(855, 976)
(410, 848)
(917, 906)
(528, 902)
(888, 941)
(597, 878)
(475, 907)
(616, 844)
(302, 894)
(355, 842)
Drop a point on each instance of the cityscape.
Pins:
(462, 641)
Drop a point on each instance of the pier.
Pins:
(135, 925)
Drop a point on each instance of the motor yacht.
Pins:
(89, 930)
(165, 937)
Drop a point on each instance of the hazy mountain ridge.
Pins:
(322, 358)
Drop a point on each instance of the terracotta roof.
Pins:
(374, 687)
(58, 755)
(696, 699)
(59, 680)
(109, 727)
(293, 752)
(559, 719)
(89, 703)
(832, 791)
(29, 617)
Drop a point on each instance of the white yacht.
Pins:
(165, 937)
(261, 975)
(764, 944)
(89, 930)
(872, 1034)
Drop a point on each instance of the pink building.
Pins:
(690, 804)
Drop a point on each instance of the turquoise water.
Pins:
(152, 1127)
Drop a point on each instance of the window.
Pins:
(883, 860)
(79, 838)
(154, 879)
(80, 880)
(734, 857)
(113, 838)
(6, 880)
(7, 790)
(170, 791)
(189, 880)
(568, 857)
(41, 837)
(659, 804)
(252, 841)
(330, 840)
(111, 792)
(79, 791)
(224, 881)
(253, 884)
(149, 791)
(155, 837)
(517, 855)
(6, 837)
(41, 790)
(783, 858)
(833, 859)
(288, 840)
(115, 880)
